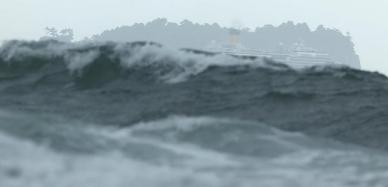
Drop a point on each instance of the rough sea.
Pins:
(143, 115)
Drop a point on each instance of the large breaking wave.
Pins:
(133, 114)
(98, 63)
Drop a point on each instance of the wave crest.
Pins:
(95, 64)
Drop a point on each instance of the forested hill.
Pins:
(187, 34)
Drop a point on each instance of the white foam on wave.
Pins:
(179, 123)
(184, 124)
(308, 166)
(79, 60)
(18, 50)
(23, 163)
(184, 64)
(181, 64)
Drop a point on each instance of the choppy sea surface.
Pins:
(140, 114)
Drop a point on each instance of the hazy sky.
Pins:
(366, 20)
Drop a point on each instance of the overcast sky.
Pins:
(366, 20)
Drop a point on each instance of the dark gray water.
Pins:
(139, 114)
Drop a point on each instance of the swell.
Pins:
(122, 84)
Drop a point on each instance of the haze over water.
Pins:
(146, 105)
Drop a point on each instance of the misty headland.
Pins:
(186, 34)
(337, 45)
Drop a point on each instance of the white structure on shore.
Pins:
(298, 56)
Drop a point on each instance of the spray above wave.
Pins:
(94, 64)
(107, 61)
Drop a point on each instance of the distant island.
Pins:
(268, 38)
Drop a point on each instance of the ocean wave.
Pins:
(122, 84)
(109, 60)
(94, 64)
(188, 151)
